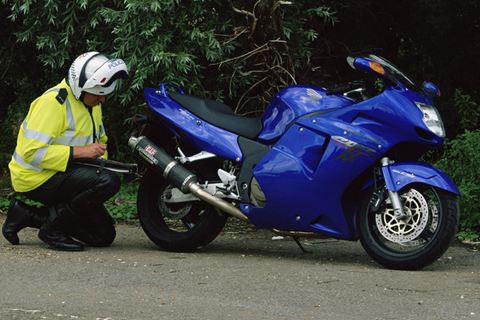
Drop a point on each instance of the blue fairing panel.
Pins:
(398, 175)
(189, 127)
(293, 102)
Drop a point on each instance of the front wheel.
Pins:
(413, 242)
(178, 227)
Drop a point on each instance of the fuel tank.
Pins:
(293, 102)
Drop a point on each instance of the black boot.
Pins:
(21, 215)
(52, 232)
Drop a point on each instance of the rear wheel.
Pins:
(179, 227)
(415, 241)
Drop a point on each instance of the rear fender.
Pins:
(399, 175)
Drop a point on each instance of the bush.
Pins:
(461, 161)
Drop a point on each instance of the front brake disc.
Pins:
(409, 228)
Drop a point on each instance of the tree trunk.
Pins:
(270, 57)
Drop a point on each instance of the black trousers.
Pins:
(84, 191)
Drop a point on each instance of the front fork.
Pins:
(393, 195)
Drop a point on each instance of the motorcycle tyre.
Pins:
(207, 224)
(435, 247)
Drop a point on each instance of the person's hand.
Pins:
(91, 151)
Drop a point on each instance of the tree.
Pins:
(215, 49)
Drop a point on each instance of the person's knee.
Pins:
(110, 184)
(94, 236)
(103, 239)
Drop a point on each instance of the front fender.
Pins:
(401, 174)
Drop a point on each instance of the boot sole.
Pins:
(47, 241)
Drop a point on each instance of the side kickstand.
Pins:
(300, 245)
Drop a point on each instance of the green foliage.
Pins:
(187, 43)
(162, 40)
(302, 23)
(468, 110)
(461, 162)
(5, 201)
(159, 40)
(123, 206)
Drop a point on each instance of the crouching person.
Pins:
(62, 125)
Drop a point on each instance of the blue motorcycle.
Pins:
(341, 163)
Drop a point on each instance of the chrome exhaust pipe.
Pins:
(218, 203)
(178, 175)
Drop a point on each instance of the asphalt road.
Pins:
(240, 275)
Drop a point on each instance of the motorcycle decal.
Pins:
(147, 153)
(150, 150)
(365, 136)
(352, 149)
(313, 96)
(186, 114)
(403, 173)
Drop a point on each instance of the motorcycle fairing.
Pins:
(320, 156)
(193, 129)
(293, 102)
(306, 161)
(401, 174)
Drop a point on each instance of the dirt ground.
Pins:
(245, 273)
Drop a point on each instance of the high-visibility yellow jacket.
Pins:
(47, 135)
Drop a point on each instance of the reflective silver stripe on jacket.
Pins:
(38, 157)
(39, 136)
(36, 135)
(68, 139)
(19, 160)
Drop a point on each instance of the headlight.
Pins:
(432, 119)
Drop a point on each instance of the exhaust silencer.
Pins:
(178, 175)
(161, 162)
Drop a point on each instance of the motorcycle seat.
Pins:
(219, 114)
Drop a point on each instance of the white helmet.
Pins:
(95, 73)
